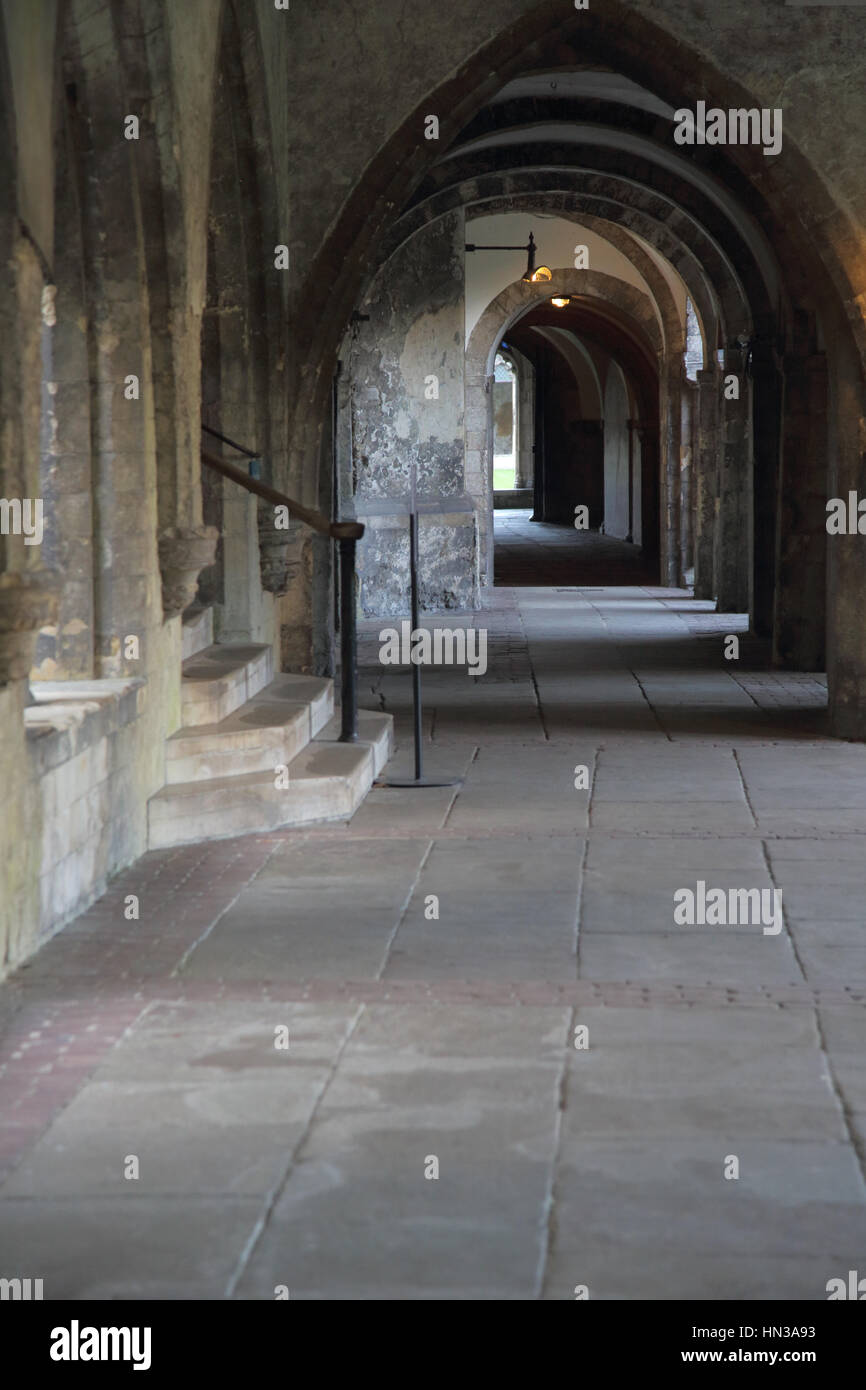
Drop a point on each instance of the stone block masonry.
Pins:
(405, 397)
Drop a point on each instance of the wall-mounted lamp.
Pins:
(561, 301)
(532, 275)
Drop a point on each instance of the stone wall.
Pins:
(105, 247)
(405, 385)
(84, 755)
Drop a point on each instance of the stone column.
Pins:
(538, 480)
(651, 515)
(734, 528)
(525, 420)
(767, 408)
(802, 541)
(846, 589)
(688, 469)
(671, 567)
(478, 462)
(28, 590)
(149, 434)
(183, 128)
(706, 480)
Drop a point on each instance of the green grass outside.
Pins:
(503, 479)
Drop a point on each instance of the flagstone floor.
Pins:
(508, 1073)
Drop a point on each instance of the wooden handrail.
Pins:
(317, 521)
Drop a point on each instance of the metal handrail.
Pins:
(224, 439)
(346, 534)
(317, 521)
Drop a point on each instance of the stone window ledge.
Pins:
(70, 716)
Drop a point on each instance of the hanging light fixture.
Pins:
(561, 301)
(533, 275)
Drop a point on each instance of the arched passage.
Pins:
(285, 226)
(627, 322)
(757, 236)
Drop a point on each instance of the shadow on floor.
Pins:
(530, 554)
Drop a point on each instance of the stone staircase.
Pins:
(257, 751)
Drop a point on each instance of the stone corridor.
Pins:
(529, 553)
(294, 299)
(601, 1167)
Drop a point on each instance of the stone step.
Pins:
(217, 681)
(327, 781)
(374, 729)
(196, 632)
(268, 730)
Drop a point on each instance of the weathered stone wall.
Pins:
(330, 148)
(406, 385)
(105, 250)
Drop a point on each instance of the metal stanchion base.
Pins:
(420, 782)
(417, 781)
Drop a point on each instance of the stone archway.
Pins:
(721, 274)
(612, 35)
(809, 220)
(636, 315)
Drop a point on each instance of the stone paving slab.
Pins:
(701, 817)
(809, 933)
(802, 1199)
(413, 1036)
(829, 964)
(673, 1074)
(185, 1041)
(407, 1092)
(419, 809)
(484, 933)
(292, 948)
(658, 957)
(612, 1273)
(201, 1139)
(845, 1042)
(811, 822)
(124, 1248)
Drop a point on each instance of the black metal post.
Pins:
(348, 643)
(416, 667)
(419, 780)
